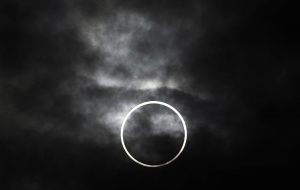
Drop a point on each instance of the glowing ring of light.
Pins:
(183, 124)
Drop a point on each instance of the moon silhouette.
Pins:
(139, 106)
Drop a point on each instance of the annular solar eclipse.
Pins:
(124, 125)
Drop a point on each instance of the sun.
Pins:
(163, 104)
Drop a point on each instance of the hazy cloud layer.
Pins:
(133, 54)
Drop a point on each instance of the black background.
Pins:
(248, 64)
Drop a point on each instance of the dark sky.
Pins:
(71, 70)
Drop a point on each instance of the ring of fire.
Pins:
(168, 106)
